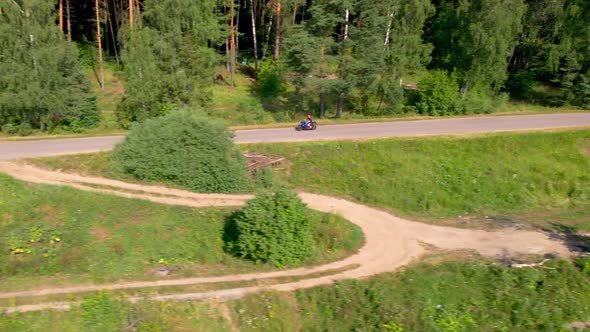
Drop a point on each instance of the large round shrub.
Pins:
(184, 148)
(273, 227)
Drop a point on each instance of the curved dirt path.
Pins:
(391, 242)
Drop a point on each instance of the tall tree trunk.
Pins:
(227, 54)
(32, 43)
(278, 30)
(61, 17)
(68, 20)
(98, 40)
(105, 19)
(130, 13)
(321, 77)
(110, 25)
(138, 14)
(322, 105)
(390, 14)
(254, 35)
(346, 15)
(340, 104)
(342, 68)
(232, 44)
(265, 48)
(238, 24)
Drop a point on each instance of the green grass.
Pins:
(444, 296)
(491, 180)
(53, 235)
(468, 178)
(452, 296)
(104, 313)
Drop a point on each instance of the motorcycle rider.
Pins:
(308, 121)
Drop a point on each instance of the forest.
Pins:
(367, 57)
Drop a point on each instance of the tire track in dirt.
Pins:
(391, 242)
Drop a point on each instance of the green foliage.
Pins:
(187, 149)
(452, 296)
(41, 82)
(9, 129)
(477, 101)
(520, 84)
(481, 176)
(269, 83)
(476, 38)
(438, 93)
(273, 227)
(103, 313)
(250, 112)
(24, 129)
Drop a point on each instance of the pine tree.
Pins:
(41, 83)
(168, 62)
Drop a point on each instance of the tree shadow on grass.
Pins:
(230, 233)
(575, 242)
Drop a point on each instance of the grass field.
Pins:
(491, 180)
(535, 178)
(53, 235)
(473, 295)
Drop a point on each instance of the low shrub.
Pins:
(438, 93)
(187, 149)
(581, 91)
(521, 84)
(9, 129)
(251, 112)
(269, 83)
(24, 129)
(274, 227)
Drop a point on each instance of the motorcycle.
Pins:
(304, 125)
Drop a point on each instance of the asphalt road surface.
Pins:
(26, 149)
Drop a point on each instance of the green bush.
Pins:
(521, 84)
(187, 149)
(24, 129)
(273, 227)
(581, 91)
(438, 93)
(269, 83)
(251, 112)
(9, 129)
(478, 102)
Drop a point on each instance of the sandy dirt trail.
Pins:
(391, 242)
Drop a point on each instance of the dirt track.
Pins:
(391, 242)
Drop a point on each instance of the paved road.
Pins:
(12, 150)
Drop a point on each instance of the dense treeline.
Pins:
(472, 55)
(41, 82)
